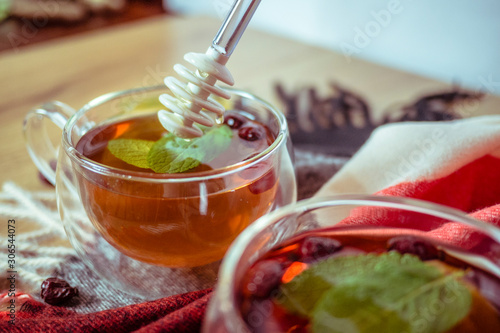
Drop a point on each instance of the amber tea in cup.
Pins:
(152, 213)
(176, 226)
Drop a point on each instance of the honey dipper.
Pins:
(185, 110)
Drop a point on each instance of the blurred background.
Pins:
(27, 22)
(455, 41)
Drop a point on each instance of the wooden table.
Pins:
(75, 70)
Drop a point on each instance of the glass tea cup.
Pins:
(152, 234)
(278, 246)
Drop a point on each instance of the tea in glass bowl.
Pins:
(334, 282)
(314, 275)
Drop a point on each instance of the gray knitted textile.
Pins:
(38, 259)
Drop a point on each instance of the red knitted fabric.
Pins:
(474, 189)
(180, 313)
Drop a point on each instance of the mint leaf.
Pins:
(389, 292)
(354, 314)
(172, 154)
(132, 151)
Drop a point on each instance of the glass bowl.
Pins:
(362, 222)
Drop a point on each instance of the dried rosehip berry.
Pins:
(486, 283)
(314, 248)
(263, 278)
(234, 120)
(53, 166)
(56, 291)
(263, 184)
(43, 179)
(413, 245)
(252, 132)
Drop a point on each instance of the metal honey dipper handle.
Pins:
(185, 109)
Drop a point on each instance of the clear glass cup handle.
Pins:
(40, 147)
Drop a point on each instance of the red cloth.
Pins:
(180, 313)
(474, 189)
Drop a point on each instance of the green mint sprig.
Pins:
(389, 292)
(172, 154)
(132, 151)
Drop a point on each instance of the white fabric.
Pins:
(415, 150)
(40, 241)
